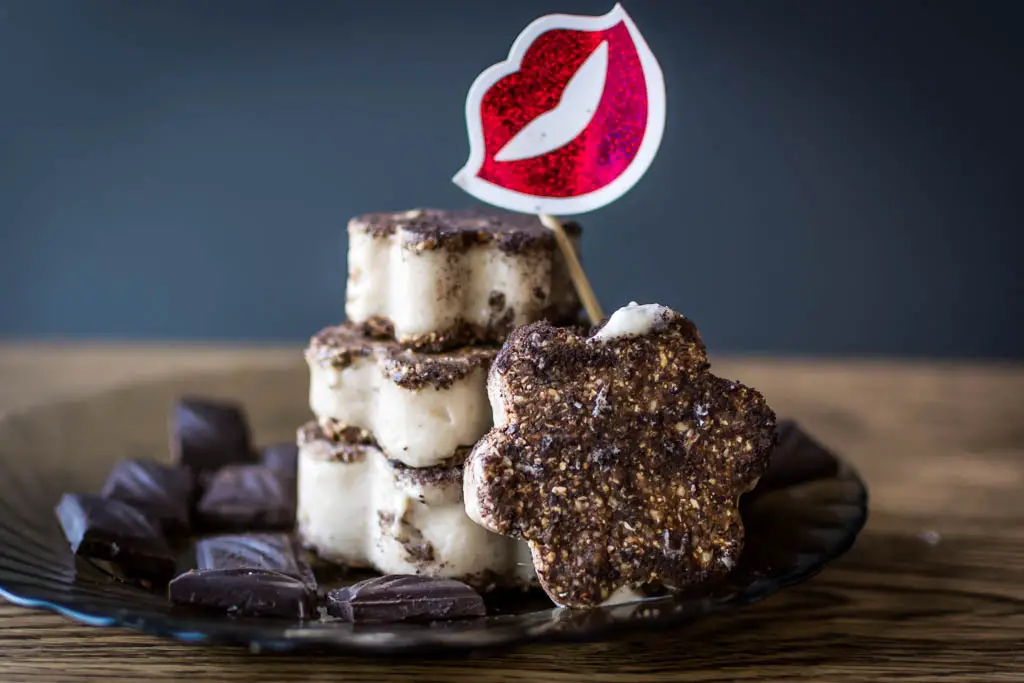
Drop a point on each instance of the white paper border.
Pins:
(467, 179)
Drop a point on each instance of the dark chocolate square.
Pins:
(207, 434)
(244, 592)
(247, 498)
(282, 457)
(265, 552)
(402, 597)
(162, 492)
(111, 530)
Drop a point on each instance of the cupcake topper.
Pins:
(568, 123)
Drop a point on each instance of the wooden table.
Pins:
(934, 588)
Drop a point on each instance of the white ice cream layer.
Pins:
(418, 427)
(330, 518)
(362, 513)
(634, 320)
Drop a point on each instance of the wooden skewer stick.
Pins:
(579, 278)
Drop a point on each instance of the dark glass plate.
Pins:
(807, 511)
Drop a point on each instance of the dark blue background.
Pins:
(836, 177)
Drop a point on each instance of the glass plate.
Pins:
(807, 511)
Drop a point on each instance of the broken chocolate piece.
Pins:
(247, 497)
(620, 458)
(244, 592)
(401, 597)
(265, 552)
(281, 457)
(207, 434)
(463, 228)
(111, 530)
(162, 492)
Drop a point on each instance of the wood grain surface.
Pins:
(934, 588)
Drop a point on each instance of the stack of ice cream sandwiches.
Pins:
(399, 391)
(467, 434)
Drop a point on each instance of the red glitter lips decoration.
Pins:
(570, 121)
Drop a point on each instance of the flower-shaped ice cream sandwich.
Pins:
(619, 458)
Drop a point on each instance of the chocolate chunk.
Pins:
(244, 592)
(162, 492)
(400, 597)
(428, 229)
(281, 457)
(265, 552)
(113, 531)
(620, 458)
(207, 434)
(247, 498)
